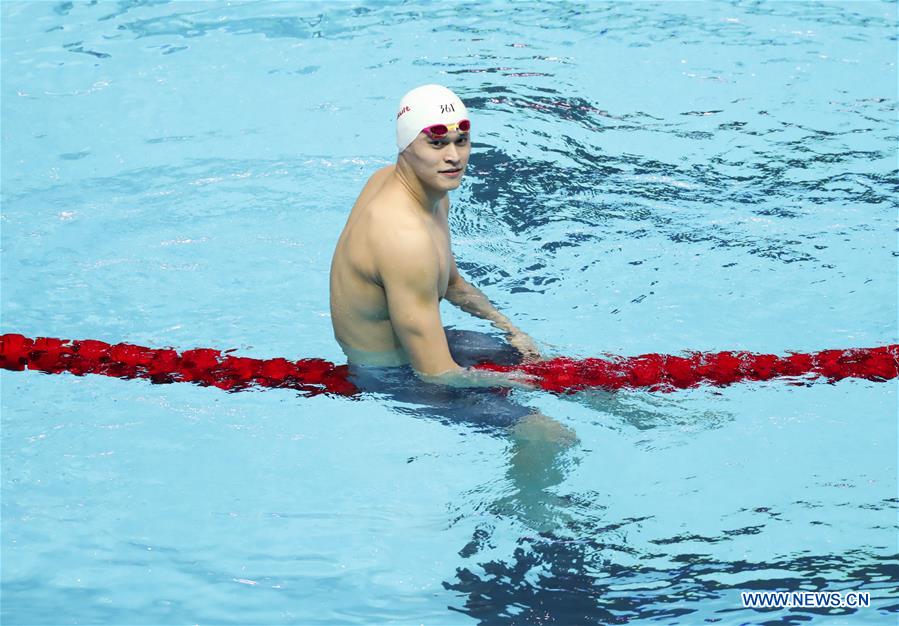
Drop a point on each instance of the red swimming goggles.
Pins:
(440, 131)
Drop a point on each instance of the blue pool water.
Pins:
(645, 177)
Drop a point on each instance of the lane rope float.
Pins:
(310, 377)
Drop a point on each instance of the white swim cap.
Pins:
(424, 106)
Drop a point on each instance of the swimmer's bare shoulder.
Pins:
(381, 221)
(391, 217)
(372, 188)
(353, 246)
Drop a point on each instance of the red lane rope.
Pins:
(656, 372)
(202, 366)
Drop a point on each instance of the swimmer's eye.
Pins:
(461, 140)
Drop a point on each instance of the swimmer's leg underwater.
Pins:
(470, 348)
(539, 443)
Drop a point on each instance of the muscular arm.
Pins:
(409, 270)
(472, 300)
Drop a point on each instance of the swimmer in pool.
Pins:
(394, 264)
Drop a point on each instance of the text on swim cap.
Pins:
(447, 108)
(405, 109)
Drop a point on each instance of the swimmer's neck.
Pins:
(427, 198)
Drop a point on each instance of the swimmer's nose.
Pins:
(452, 155)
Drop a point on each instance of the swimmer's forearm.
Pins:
(468, 377)
(473, 301)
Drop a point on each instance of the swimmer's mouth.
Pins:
(451, 171)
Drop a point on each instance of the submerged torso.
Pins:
(359, 311)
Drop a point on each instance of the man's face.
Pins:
(440, 163)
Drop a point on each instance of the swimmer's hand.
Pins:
(470, 377)
(524, 344)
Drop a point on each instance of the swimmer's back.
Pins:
(359, 310)
(358, 304)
